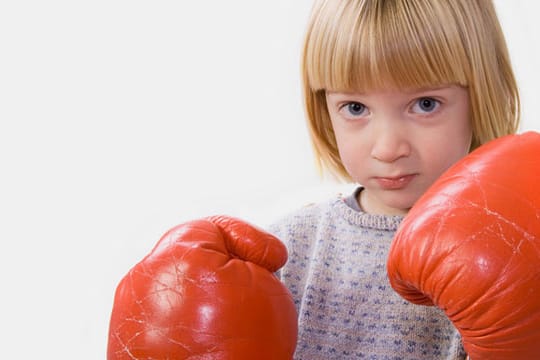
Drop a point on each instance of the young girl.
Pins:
(396, 91)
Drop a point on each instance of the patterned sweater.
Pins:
(346, 307)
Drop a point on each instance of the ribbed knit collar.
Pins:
(361, 218)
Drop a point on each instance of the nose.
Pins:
(390, 142)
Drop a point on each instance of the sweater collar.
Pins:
(349, 209)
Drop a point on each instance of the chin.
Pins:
(401, 207)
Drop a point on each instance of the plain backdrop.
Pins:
(121, 119)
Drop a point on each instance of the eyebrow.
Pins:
(427, 88)
(407, 91)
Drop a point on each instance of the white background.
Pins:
(120, 119)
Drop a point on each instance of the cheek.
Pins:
(463, 130)
(443, 152)
(346, 152)
(352, 156)
(461, 145)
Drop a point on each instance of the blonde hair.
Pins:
(361, 45)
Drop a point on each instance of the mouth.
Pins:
(394, 183)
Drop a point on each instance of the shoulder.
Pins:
(302, 219)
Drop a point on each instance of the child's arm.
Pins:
(471, 246)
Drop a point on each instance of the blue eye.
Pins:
(355, 108)
(425, 105)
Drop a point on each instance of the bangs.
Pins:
(391, 44)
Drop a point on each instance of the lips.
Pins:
(395, 183)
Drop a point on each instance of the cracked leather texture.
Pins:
(471, 246)
(206, 291)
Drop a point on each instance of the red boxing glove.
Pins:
(471, 246)
(206, 291)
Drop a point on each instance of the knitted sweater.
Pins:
(346, 307)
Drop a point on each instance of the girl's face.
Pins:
(397, 143)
